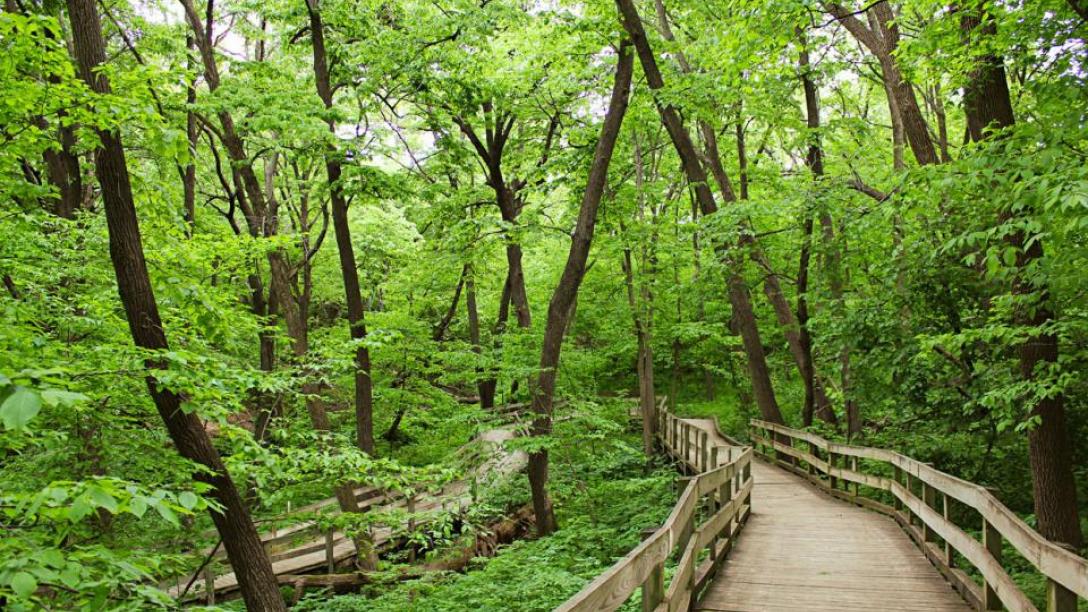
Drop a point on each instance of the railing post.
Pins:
(854, 468)
(949, 557)
(812, 451)
(910, 492)
(832, 465)
(686, 433)
(330, 555)
(747, 475)
(714, 463)
(705, 438)
(898, 476)
(929, 498)
(675, 437)
(724, 495)
(1059, 598)
(209, 584)
(653, 589)
(991, 539)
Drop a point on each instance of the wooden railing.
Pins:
(709, 514)
(926, 502)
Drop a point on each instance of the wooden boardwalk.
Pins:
(301, 548)
(824, 526)
(804, 550)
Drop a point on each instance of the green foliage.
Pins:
(917, 294)
(604, 498)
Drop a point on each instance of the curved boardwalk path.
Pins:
(302, 548)
(777, 536)
(804, 550)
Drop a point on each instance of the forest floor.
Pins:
(604, 496)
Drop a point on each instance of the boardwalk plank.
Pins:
(803, 550)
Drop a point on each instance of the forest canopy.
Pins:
(404, 277)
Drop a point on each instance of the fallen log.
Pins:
(484, 544)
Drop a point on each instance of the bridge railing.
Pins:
(922, 498)
(710, 512)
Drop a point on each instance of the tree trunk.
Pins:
(260, 218)
(439, 332)
(644, 359)
(244, 548)
(62, 169)
(988, 105)
(61, 165)
(485, 388)
(191, 133)
(881, 37)
(364, 395)
(566, 292)
(738, 290)
(814, 159)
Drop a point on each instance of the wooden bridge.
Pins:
(304, 546)
(816, 525)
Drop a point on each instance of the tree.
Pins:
(566, 292)
(881, 38)
(743, 314)
(240, 538)
(364, 401)
(989, 111)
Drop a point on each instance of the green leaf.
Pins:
(188, 500)
(19, 408)
(71, 576)
(166, 513)
(58, 397)
(103, 499)
(23, 584)
(52, 557)
(138, 506)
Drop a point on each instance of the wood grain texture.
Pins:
(1067, 573)
(803, 550)
(724, 485)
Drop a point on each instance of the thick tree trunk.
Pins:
(814, 159)
(899, 138)
(566, 292)
(989, 106)
(518, 296)
(364, 424)
(739, 297)
(62, 169)
(244, 549)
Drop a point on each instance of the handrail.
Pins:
(719, 495)
(928, 522)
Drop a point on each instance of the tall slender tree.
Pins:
(566, 292)
(739, 296)
(364, 394)
(244, 549)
